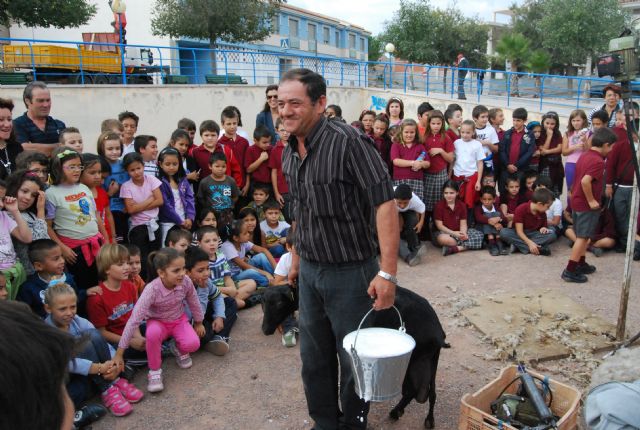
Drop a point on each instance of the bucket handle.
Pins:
(401, 329)
(357, 364)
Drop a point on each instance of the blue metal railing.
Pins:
(127, 64)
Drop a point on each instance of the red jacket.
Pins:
(202, 154)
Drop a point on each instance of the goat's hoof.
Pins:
(395, 414)
(428, 423)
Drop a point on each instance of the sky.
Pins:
(376, 12)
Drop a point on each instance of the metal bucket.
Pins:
(379, 362)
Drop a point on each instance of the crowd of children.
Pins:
(469, 184)
(146, 251)
(150, 251)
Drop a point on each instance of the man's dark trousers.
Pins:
(333, 300)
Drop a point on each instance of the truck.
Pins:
(98, 60)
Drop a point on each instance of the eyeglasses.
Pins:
(74, 168)
(272, 97)
(38, 171)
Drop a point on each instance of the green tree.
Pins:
(574, 30)
(46, 13)
(376, 46)
(427, 35)
(514, 48)
(526, 21)
(539, 61)
(242, 21)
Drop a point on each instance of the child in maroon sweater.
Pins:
(586, 195)
(530, 233)
(511, 200)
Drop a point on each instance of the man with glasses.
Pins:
(342, 195)
(36, 130)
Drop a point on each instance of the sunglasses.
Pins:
(272, 97)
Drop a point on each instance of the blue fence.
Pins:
(101, 63)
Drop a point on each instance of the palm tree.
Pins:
(539, 62)
(513, 48)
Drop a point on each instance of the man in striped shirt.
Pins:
(342, 195)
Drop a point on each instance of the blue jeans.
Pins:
(97, 350)
(261, 262)
(333, 300)
(277, 251)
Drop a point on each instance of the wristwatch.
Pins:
(389, 277)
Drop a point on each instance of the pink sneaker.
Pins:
(128, 390)
(155, 381)
(184, 360)
(117, 404)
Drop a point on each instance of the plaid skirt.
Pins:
(416, 185)
(474, 242)
(433, 183)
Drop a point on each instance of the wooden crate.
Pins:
(475, 409)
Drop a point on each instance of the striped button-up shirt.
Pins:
(335, 190)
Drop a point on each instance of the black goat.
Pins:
(421, 323)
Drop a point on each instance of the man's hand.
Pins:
(383, 292)
(418, 227)
(512, 168)
(545, 230)
(594, 205)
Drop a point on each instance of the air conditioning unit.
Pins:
(353, 53)
(312, 46)
(294, 42)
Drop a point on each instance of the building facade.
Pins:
(299, 38)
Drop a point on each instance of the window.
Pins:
(311, 31)
(337, 39)
(275, 25)
(293, 27)
(352, 41)
(326, 35)
(362, 44)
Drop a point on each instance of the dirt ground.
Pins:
(258, 385)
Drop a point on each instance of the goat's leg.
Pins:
(398, 411)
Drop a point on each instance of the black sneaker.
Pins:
(576, 277)
(88, 414)
(413, 259)
(586, 269)
(254, 299)
(447, 250)
(493, 250)
(129, 372)
(596, 251)
(544, 250)
(636, 251)
(502, 249)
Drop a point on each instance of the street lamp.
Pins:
(390, 48)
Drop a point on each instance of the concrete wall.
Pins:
(160, 107)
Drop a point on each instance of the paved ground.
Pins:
(257, 385)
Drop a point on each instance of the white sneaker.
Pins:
(155, 381)
(289, 338)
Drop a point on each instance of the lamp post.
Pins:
(389, 49)
(119, 8)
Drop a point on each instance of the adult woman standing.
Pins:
(612, 95)
(9, 148)
(269, 114)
